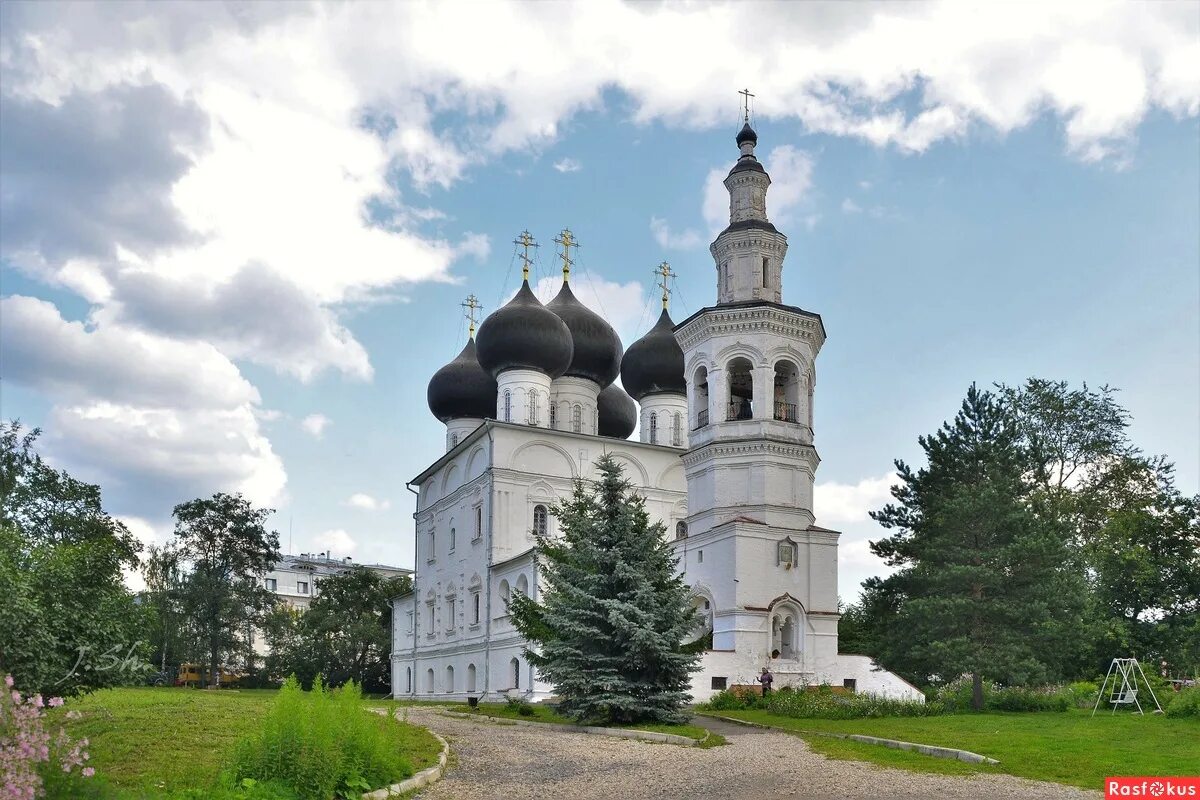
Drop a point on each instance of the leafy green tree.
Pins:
(68, 624)
(613, 613)
(987, 583)
(345, 634)
(164, 577)
(228, 549)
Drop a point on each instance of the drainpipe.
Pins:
(487, 627)
(415, 593)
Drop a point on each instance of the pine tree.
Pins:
(988, 583)
(613, 613)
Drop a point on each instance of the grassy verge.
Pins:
(1070, 747)
(542, 713)
(148, 742)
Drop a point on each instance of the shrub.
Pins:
(525, 710)
(1082, 694)
(1185, 703)
(33, 761)
(827, 704)
(955, 697)
(322, 744)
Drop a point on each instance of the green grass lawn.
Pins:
(146, 740)
(1068, 747)
(542, 713)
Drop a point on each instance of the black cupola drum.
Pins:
(524, 334)
(597, 348)
(654, 363)
(617, 413)
(461, 389)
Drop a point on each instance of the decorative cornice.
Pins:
(763, 318)
(748, 447)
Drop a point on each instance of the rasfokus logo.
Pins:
(1152, 787)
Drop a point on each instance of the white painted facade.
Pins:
(733, 488)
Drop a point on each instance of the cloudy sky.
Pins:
(235, 237)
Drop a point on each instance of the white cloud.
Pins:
(315, 424)
(669, 240)
(337, 542)
(623, 305)
(568, 165)
(841, 503)
(850, 207)
(367, 503)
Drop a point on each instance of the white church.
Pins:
(725, 461)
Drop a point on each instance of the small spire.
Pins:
(567, 241)
(525, 240)
(471, 304)
(746, 95)
(664, 271)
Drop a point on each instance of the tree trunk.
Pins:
(977, 691)
(214, 677)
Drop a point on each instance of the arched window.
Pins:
(523, 585)
(787, 632)
(429, 680)
(787, 392)
(470, 677)
(432, 545)
(540, 520)
(453, 536)
(534, 410)
(677, 430)
(700, 396)
(741, 389)
(514, 668)
(449, 679)
(507, 406)
(475, 608)
(505, 595)
(766, 273)
(577, 418)
(553, 416)
(453, 440)
(408, 680)
(653, 427)
(680, 529)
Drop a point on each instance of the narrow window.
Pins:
(533, 408)
(453, 440)
(478, 521)
(432, 545)
(677, 430)
(539, 520)
(453, 536)
(766, 273)
(507, 406)
(408, 679)
(553, 417)
(577, 418)
(680, 530)
(728, 277)
(475, 608)
(516, 673)
(410, 622)
(451, 608)
(432, 623)
(699, 556)
(653, 428)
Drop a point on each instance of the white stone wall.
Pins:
(523, 397)
(664, 420)
(574, 401)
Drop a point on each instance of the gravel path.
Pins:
(523, 763)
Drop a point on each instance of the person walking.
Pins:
(766, 679)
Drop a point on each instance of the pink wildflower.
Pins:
(55, 702)
(88, 772)
(8, 681)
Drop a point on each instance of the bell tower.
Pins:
(749, 364)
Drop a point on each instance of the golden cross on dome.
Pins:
(746, 95)
(664, 270)
(525, 240)
(471, 305)
(567, 241)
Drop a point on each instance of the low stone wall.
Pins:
(421, 779)
(620, 733)
(926, 749)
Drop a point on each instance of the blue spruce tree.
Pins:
(613, 612)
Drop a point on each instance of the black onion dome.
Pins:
(654, 363)
(617, 412)
(597, 348)
(746, 134)
(524, 335)
(461, 389)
